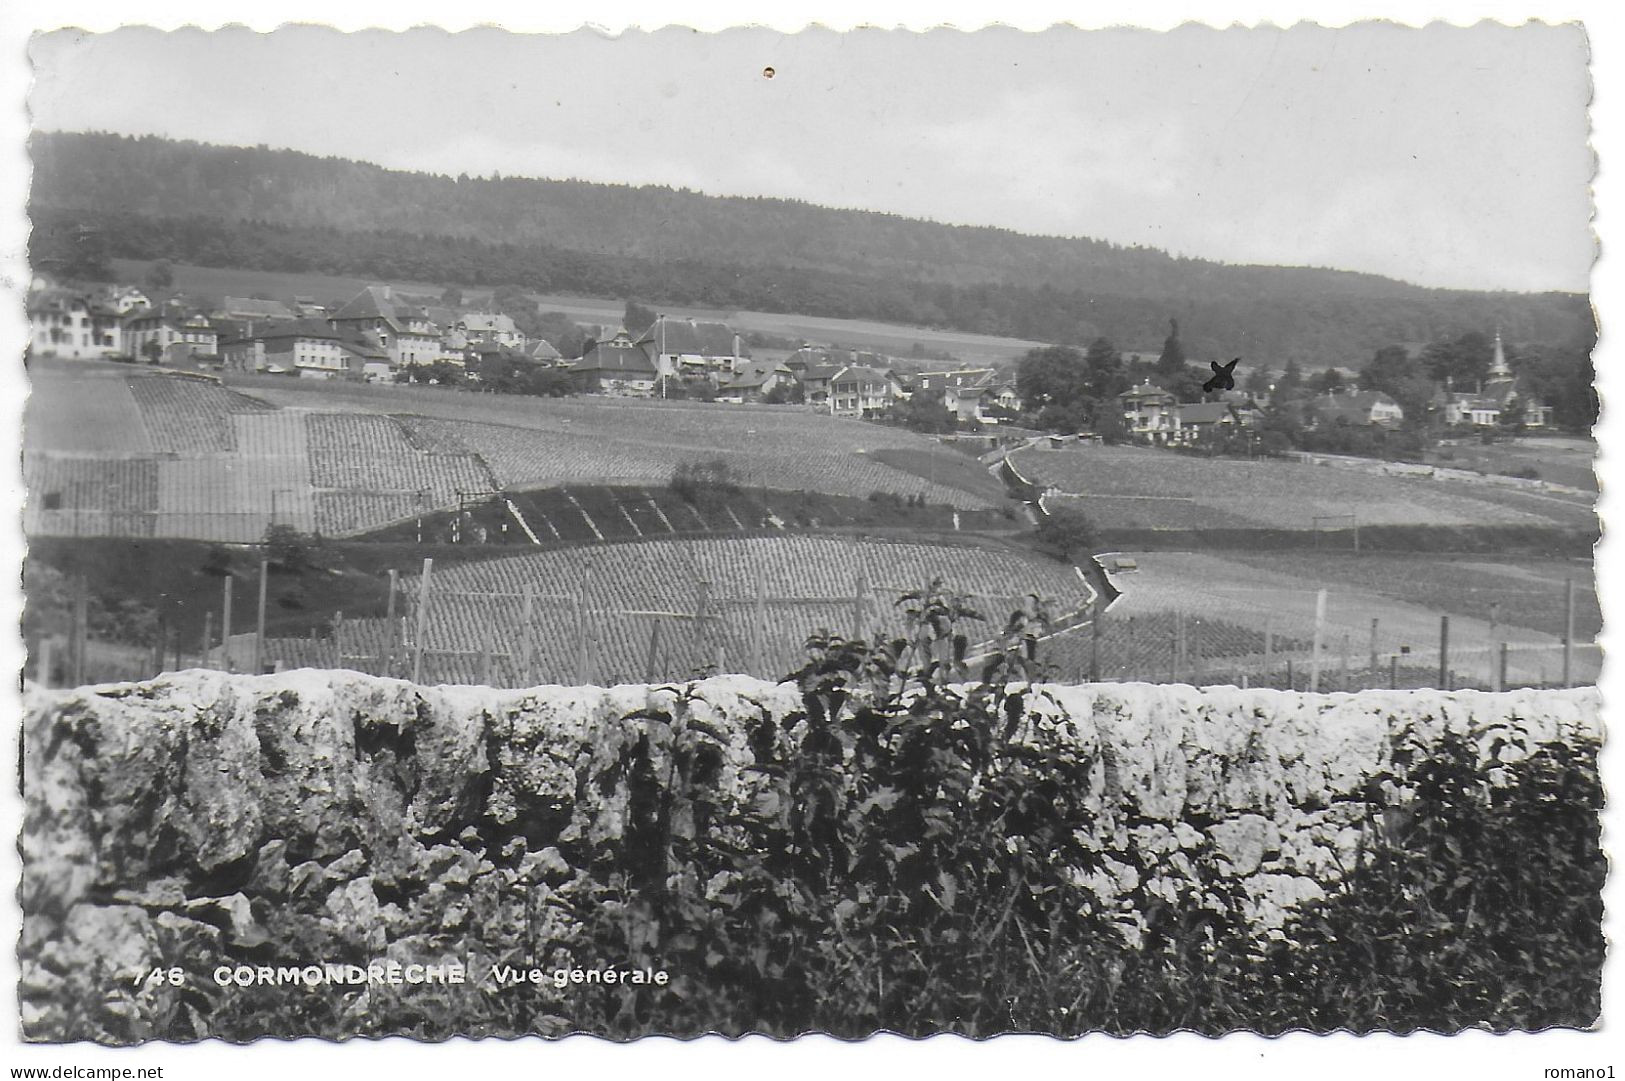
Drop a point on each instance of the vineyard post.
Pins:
(1444, 653)
(485, 639)
(1373, 647)
(1345, 672)
(1269, 647)
(208, 637)
(423, 620)
(1194, 647)
(1291, 678)
(1178, 644)
(81, 632)
(1173, 655)
(759, 631)
(1314, 651)
(259, 623)
(1094, 638)
(1568, 633)
(338, 639)
(527, 637)
(1495, 613)
(1393, 672)
(579, 602)
(1501, 681)
(226, 585)
(389, 602)
(654, 650)
(860, 595)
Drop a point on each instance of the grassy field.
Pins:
(1559, 459)
(892, 338)
(541, 442)
(1138, 487)
(1405, 595)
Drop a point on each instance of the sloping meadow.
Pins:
(325, 853)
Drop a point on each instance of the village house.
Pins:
(1357, 408)
(495, 327)
(754, 380)
(968, 392)
(368, 357)
(308, 348)
(1200, 422)
(618, 366)
(684, 347)
(541, 352)
(1150, 414)
(857, 391)
(172, 336)
(127, 298)
(71, 325)
(405, 330)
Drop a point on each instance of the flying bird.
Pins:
(1224, 377)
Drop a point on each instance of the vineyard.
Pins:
(1131, 487)
(665, 609)
(189, 416)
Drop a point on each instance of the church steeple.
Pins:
(1499, 370)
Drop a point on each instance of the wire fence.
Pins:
(1322, 640)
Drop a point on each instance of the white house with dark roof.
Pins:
(404, 329)
(308, 348)
(66, 324)
(857, 391)
(754, 380)
(1150, 413)
(176, 336)
(617, 366)
(693, 347)
(497, 327)
(1358, 408)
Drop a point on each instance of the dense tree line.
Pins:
(281, 210)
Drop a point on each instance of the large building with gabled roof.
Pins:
(405, 330)
(693, 347)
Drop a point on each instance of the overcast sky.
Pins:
(1446, 156)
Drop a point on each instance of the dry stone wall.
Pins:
(181, 820)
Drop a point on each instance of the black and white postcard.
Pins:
(1074, 533)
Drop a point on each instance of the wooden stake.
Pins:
(1501, 680)
(259, 623)
(208, 638)
(1314, 653)
(654, 650)
(423, 621)
(1568, 633)
(1373, 650)
(1094, 638)
(527, 638)
(226, 589)
(1444, 653)
(338, 639)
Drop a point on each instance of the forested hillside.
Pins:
(98, 196)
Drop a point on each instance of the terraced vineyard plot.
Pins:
(372, 454)
(88, 496)
(85, 411)
(189, 416)
(1226, 492)
(340, 514)
(805, 583)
